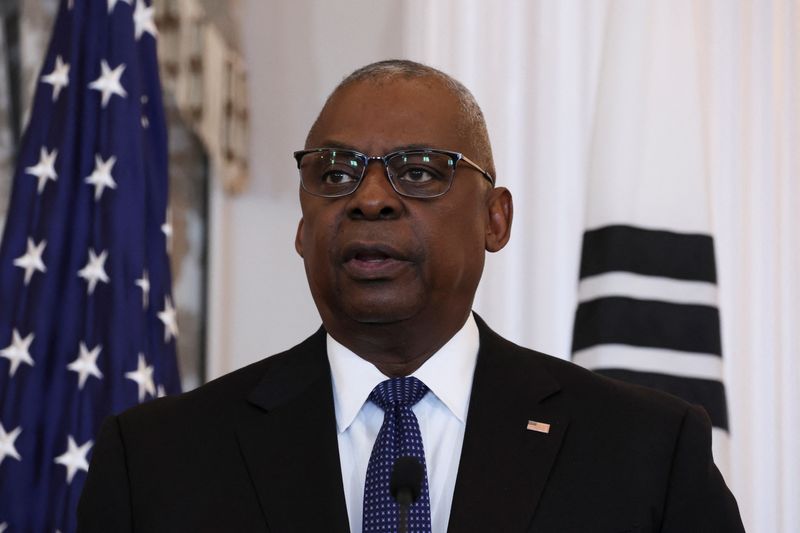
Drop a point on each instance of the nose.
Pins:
(375, 199)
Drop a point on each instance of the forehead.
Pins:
(376, 117)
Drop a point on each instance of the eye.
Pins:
(337, 177)
(418, 175)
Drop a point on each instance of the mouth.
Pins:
(373, 261)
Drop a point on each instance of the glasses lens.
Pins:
(331, 172)
(421, 174)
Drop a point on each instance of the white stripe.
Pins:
(647, 288)
(658, 360)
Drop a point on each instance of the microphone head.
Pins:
(406, 480)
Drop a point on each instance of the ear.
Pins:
(500, 209)
(298, 239)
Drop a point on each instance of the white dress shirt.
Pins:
(442, 415)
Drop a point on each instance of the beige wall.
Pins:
(297, 51)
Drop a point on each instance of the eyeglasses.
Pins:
(422, 173)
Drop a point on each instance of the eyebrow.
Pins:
(331, 143)
(336, 144)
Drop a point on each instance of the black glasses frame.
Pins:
(366, 159)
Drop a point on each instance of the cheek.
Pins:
(319, 230)
(456, 252)
(318, 236)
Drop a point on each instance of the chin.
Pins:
(378, 316)
(379, 311)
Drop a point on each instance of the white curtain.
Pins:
(752, 53)
(534, 66)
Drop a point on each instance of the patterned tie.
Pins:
(399, 436)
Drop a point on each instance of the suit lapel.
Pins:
(289, 443)
(504, 466)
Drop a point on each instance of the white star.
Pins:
(86, 364)
(94, 270)
(166, 229)
(75, 457)
(167, 316)
(145, 120)
(113, 3)
(101, 176)
(144, 284)
(17, 351)
(108, 82)
(3, 527)
(143, 19)
(45, 169)
(7, 448)
(143, 376)
(59, 78)
(161, 391)
(32, 259)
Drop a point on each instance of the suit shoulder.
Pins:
(635, 420)
(586, 384)
(220, 397)
(592, 392)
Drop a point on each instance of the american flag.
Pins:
(87, 323)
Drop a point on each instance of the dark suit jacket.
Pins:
(256, 450)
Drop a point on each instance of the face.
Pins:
(375, 257)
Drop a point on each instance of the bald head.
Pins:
(471, 126)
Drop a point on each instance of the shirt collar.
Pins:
(447, 373)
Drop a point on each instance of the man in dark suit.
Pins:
(399, 206)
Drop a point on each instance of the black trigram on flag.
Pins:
(647, 299)
(647, 313)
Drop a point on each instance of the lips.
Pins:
(363, 251)
(371, 256)
(367, 261)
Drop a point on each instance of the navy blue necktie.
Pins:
(399, 437)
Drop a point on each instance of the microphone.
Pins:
(405, 485)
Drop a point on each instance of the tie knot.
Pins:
(398, 392)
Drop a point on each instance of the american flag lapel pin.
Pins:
(539, 427)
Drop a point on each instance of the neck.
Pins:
(397, 349)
